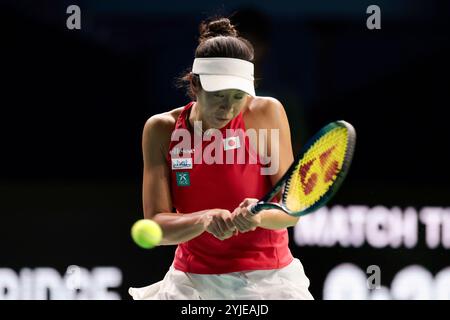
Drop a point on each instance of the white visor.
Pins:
(225, 73)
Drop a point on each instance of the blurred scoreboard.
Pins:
(407, 247)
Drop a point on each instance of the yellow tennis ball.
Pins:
(146, 233)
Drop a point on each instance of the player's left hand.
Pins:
(243, 219)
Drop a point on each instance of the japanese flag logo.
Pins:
(231, 143)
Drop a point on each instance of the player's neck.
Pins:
(195, 115)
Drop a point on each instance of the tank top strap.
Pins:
(181, 121)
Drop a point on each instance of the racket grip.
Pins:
(257, 208)
(261, 205)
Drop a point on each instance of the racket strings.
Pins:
(316, 171)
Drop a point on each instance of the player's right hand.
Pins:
(219, 223)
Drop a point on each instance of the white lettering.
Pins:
(431, 217)
(348, 281)
(379, 227)
(47, 283)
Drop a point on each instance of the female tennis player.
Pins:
(224, 252)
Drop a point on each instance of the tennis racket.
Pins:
(316, 174)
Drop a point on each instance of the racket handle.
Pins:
(261, 205)
(256, 208)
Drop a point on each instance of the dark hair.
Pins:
(218, 38)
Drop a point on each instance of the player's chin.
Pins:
(220, 123)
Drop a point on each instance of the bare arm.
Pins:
(157, 202)
(277, 119)
(271, 115)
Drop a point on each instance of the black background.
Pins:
(73, 104)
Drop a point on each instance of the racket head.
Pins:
(319, 170)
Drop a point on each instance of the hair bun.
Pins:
(214, 28)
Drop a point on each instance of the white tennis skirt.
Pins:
(286, 283)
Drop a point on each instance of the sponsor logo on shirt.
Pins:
(183, 179)
(181, 163)
(178, 152)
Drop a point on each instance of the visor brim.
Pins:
(212, 83)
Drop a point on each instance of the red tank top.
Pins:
(199, 186)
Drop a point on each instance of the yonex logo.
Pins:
(309, 178)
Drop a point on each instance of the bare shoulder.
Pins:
(264, 112)
(158, 130)
(264, 104)
(162, 123)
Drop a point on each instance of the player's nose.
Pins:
(226, 105)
